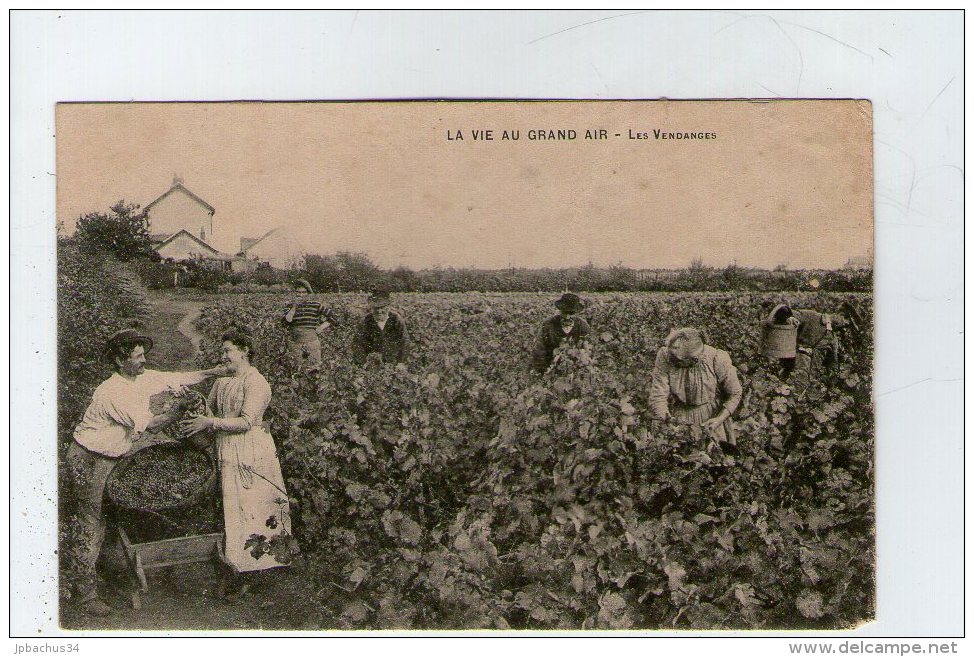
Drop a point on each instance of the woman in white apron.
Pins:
(255, 508)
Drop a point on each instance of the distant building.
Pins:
(181, 226)
(180, 209)
(184, 246)
(247, 242)
(859, 263)
(242, 264)
(277, 248)
(656, 274)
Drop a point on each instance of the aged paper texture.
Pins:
(570, 365)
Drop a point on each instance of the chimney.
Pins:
(176, 180)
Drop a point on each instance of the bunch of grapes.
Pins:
(159, 477)
(191, 404)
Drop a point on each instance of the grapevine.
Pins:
(462, 490)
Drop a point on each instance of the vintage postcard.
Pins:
(478, 365)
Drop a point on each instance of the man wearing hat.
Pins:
(564, 325)
(116, 423)
(381, 332)
(305, 320)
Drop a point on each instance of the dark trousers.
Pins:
(799, 370)
(87, 474)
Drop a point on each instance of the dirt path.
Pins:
(191, 310)
(170, 325)
(182, 597)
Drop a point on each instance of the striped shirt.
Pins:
(308, 314)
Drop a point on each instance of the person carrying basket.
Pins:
(806, 341)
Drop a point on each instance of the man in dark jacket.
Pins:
(564, 325)
(382, 332)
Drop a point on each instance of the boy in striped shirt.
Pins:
(306, 319)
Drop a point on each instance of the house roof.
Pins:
(247, 242)
(195, 239)
(179, 187)
(260, 239)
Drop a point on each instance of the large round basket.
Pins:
(162, 477)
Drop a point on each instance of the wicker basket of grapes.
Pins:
(162, 477)
(184, 403)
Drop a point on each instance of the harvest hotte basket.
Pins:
(162, 477)
(779, 340)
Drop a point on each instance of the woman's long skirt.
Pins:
(255, 503)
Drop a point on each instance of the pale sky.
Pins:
(784, 182)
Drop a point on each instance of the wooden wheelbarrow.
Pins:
(144, 557)
(156, 550)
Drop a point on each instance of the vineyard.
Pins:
(462, 490)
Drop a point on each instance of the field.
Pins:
(462, 490)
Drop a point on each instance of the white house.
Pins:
(180, 209)
(184, 246)
(278, 248)
(181, 226)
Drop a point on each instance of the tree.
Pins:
(342, 272)
(321, 271)
(620, 278)
(123, 231)
(404, 279)
(357, 272)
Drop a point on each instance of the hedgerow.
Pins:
(96, 296)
